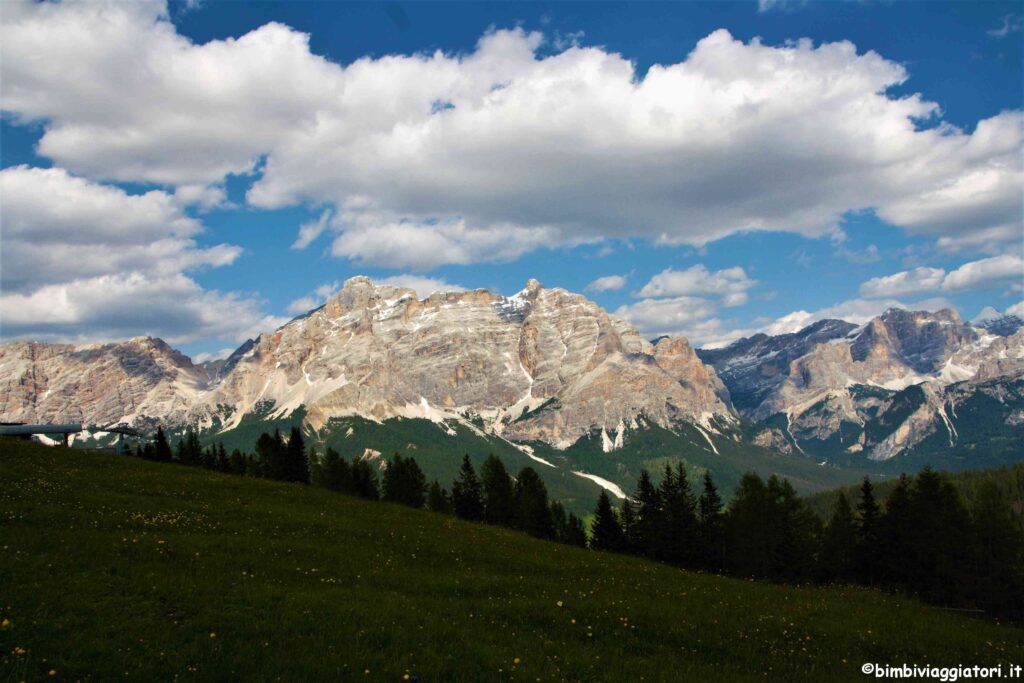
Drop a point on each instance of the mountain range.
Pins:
(548, 378)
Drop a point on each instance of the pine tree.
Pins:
(869, 538)
(999, 547)
(630, 539)
(939, 551)
(466, 495)
(606, 533)
(530, 511)
(749, 531)
(649, 518)
(237, 462)
(711, 527)
(574, 532)
(404, 482)
(332, 472)
(222, 458)
(296, 466)
(161, 449)
(497, 491)
(438, 499)
(559, 521)
(796, 531)
(839, 544)
(270, 451)
(364, 480)
(679, 518)
(895, 532)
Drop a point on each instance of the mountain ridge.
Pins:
(550, 368)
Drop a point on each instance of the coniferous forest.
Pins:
(923, 541)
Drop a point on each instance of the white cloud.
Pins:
(113, 307)
(423, 286)
(607, 283)
(678, 315)
(205, 356)
(907, 282)
(58, 228)
(731, 284)
(981, 274)
(988, 272)
(422, 246)
(310, 230)
(1008, 24)
(83, 261)
(1016, 309)
(486, 155)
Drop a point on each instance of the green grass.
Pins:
(116, 568)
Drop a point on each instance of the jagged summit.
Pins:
(543, 364)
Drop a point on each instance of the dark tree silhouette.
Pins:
(466, 495)
(606, 533)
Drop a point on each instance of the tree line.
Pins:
(923, 541)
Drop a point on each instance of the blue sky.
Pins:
(159, 161)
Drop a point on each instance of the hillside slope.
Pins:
(137, 570)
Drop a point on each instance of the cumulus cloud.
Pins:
(439, 158)
(981, 274)
(685, 302)
(607, 283)
(1017, 309)
(667, 316)
(113, 307)
(423, 286)
(730, 284)
(86, 261)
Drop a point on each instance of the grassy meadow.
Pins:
(114, 568)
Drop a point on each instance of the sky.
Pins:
(204, 171)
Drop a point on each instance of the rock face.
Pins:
(838, 388)
(98, 383)
(544, 365)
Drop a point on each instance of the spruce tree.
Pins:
(404, 482)
(630, 538)
(999, 548)
(296, 462)
(869, 538)
(939, 552)
(895, 533)
(679, 518)
(237, 462)
(559, 521)
(270, 451)
(467, 500)
(530, 511)
(161, 449)
(649, 517)
(497, 491)
(364, 480)
(332, 472)
(711, 527)
(749, 529)
(839, 544)
(438, 499)
(796, 531)
(575, 534)
(606, 533)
